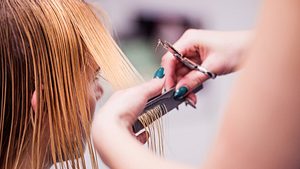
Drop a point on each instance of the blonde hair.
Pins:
(47, 46)
(153, 125)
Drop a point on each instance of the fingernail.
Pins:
(180, 92)
(160, 73)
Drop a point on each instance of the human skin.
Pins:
(94, 94)
(260, 128)
(218, 52)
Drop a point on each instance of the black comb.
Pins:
(165, 101)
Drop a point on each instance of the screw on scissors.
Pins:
(187, 62)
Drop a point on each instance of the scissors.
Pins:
(166, 101)
(187, 62)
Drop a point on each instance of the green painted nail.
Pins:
(180, 92)
(160, 73)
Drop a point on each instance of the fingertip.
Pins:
(192, 80)
(153, 87)
(192, 98)
(168, 59)
(143, 137)
(169, 83)
(181, 92)
(169, 63)
(159, 73)
(189, 83)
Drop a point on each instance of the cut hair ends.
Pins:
(153, 124)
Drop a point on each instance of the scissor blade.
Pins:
(170, 48)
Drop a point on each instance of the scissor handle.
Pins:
(187, 62)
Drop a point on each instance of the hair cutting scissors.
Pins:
(166, 101)
(187, 62)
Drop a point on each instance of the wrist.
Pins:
(245, 40)
(236, 48)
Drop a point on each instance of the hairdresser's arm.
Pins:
(111, 131)
(261, 126)
(261, 123)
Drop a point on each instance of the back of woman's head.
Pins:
(50, 48)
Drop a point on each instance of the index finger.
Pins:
(169, 63)
(150, 88)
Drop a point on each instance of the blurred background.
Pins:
(138, 24)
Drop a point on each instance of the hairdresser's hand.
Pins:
(123, 107)
(218, 52)
(111, 131)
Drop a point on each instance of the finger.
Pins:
(143, 137)
(192, 99)
(179, 77)
(151, 88)
(189, 82)
(169, 63)
(183, 45)
(182, 71)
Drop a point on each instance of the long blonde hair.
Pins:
(46, 46)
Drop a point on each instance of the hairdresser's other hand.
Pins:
(111, 130)
(218, 52)
(123, 107)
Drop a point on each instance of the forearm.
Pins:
(261, 124)
(120, 150)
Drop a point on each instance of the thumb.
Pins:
(143, 137)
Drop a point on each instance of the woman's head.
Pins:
(50, 50)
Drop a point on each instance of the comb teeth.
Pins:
(159, 106)
(148, 117)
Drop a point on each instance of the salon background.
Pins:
(138, 24)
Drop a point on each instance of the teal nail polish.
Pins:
(180, 92)
(160, 73)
